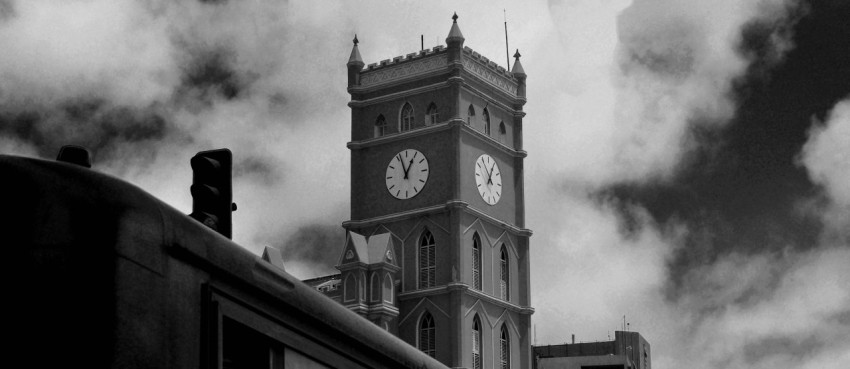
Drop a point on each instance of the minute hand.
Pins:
(490, 174)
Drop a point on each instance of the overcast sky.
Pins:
(689, 162)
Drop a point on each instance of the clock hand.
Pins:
(490, 174)
(402, 165)
(408, 168)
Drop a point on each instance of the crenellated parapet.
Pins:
(489, 71)
(410, 65)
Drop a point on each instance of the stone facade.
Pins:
(458, 259)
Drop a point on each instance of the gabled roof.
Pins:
(376, 249)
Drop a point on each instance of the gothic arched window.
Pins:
(476, 342)
(504, 348)
(502, 132)
(432, 116)
(406, 117)
(362, 286)
(376, 287)
(486, 116)
(427, 335)
(388, 289)
(470, 114)
(504, 275)
(427, 260)
(476, 261)
(380, 126)
(350, 288)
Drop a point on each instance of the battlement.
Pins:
(434, 59)
(414, 64)
(404, 58)
(487, 62)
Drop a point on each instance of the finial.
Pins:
(355, 40)
(517, 55)
(454, 17)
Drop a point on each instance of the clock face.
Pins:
(489, 179)
(407, 174)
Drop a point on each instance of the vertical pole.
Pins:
(507, 54)
(422, 40)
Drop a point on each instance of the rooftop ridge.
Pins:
(405, 58)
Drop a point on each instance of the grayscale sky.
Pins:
(688, 167)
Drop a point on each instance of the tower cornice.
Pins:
(452, 204)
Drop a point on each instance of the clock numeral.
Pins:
(392, 167)
(425, 170)
(391, 187)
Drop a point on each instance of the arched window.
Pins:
(470, 114)
(504, 275)
(486, 116)
(376, 287)
(504, 348)
(432, 117)
(427, 260)
(362, 286)
(476, 261)
(380, 126)
(502, 132)
(406, 117)
(350, 288)
(427, 335)
(388, 289)
(476, 342)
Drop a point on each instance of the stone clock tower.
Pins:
(437, 190)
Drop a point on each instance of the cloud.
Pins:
(826, 157)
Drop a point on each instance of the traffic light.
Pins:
(212, 195)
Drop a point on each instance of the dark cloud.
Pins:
(90, 122)
(7, 10)
(211, 74)
(739, 188)
(317, 245)
(792, 347)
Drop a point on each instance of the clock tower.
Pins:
(437, 181)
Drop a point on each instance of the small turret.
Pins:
(519, 74)
(355, 65)
(454, 41)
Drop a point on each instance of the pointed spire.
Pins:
(454, 33)
(517, 70)
(355, 54)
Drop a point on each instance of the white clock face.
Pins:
(489, 179)
(407, 174)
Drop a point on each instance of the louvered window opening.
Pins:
(380, 126)
(427, 261)
(504, 349)
(486, 122)
(476, 262)
(406, 118)
(476, 343)
(433, 115)
(428, 336)
(503, 276)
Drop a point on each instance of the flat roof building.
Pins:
(628, 350)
